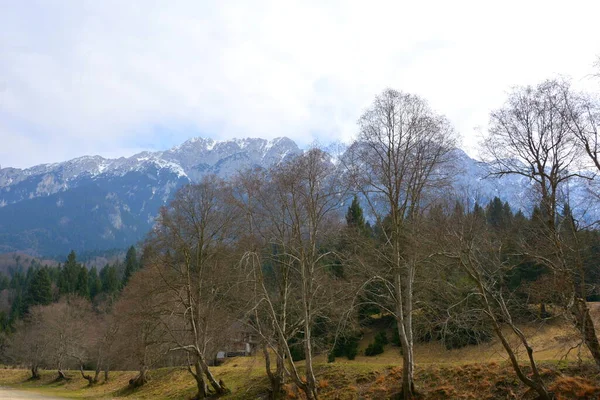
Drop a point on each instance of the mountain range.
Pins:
(92, 203)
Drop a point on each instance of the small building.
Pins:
(243, 342)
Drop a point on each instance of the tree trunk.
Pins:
(97, 374)
(405, 333)
(202, 388)
(408, 385)
(61, 376)
(584, 323)
(310, 388)
(35, 373)
(88, 378)
(219, 387)
(141, 379)
(106, 370)
(535, 382)
(276, 379)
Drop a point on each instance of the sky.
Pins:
(117, 77)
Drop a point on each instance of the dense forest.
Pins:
(295, 261)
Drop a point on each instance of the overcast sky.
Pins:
(116, 77)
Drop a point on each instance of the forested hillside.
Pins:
(306, 259)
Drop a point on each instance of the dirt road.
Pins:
(7, 393)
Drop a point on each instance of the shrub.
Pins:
(462, 336)
(381, 337)
(346, 346)
(377, 346)
(373, 349)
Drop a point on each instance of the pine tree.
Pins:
(494, 213)
(478, 211)
(4, 282)
(40, 288)
(355, 218)
(18, 308)
(507, 215)
(82, 288)
(69, 275)
(94, 283)
(459, 210)
(110, 279)
(568, 225)
(131, 265)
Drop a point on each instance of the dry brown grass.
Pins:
(569, 387)
(336, 381)
(474, 372)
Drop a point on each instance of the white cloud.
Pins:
(89, 77)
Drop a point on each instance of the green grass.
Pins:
(473, 372)
(340, 380)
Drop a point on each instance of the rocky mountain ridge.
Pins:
(93, 203)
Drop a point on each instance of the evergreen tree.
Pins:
(94, 283)
(82, 288)
(568, 225)
(110, 279)
(354, 216)
(17, 281)
(494, 213)
(459, 210)
(507, 215)
(18, 308)
(4, 282)
(18, 284)
(40, 288)
(131, 265)
(520, 222)
(69, 275)
(478, 211)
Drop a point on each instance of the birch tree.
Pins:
(292, 213)
(533, 135)
(30, 343)
(139, 336)
(401, 157)
(193, 246)
(479, 253)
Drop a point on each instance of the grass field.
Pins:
(473, 372)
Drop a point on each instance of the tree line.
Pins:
(307, 253)
(43, 284)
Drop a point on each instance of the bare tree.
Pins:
(533, 135)
(401, 157)
(292, 214)
(582, 113)
(480, 254)
(100, 340)
(193, 240)
(30, 344)
(66, 324)
(140, 341)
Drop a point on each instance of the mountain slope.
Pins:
(93, 203)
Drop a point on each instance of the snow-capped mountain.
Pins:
(94, 203)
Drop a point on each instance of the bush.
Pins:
(381, 337)
(373, 349)
(460, 337)
(352, 350)
(377, 346)
(346, 346)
